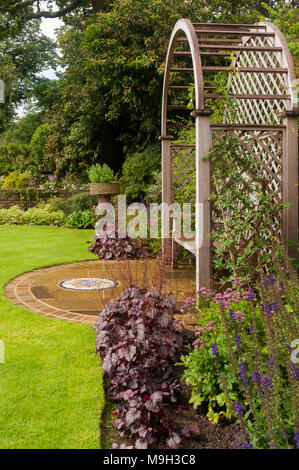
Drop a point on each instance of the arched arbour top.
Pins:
(183, 26)
(266, 103)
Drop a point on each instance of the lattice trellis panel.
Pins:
(183, 172)
(265, 147)
(260, 111)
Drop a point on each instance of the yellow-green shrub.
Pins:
(41, 215)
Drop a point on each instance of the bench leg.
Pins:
(174, 255)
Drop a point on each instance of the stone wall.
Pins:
(31, 197)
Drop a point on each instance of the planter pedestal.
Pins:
(104, 191)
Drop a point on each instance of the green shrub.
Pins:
(16, 180)
(58, 204)
(13, 157)
(101, 173)
(12, 216)
(200, 369)
(41, 215)
(81, 219)
(75, 203)
(139, 171)
(81, 202)
(39, 160)
(154, 190)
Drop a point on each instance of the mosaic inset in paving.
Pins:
(87, 283)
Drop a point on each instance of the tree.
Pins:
(114, 71)
(23, 55)
(286, 17)
(21, 131)
(30, 9)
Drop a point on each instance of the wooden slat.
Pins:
(246, 126)
(181, 69)
(234, 95)
(231, 25)
(235, 32)
(241, 48)
(182, 146)
(177, 106)
(245, 69)
(177, 126)
(249, 96)
(220, 40)
(187, 87)
(226, 69)
(187, 53)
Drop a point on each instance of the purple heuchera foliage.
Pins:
(113, 247)
(139, 342)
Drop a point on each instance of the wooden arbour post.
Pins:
(166, 196)
(290, 181)
(262, 81)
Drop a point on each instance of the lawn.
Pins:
(51, 382)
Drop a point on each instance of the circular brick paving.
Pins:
(39, 291)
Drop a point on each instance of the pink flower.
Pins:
(239, 316)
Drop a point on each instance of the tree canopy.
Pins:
(107, 102)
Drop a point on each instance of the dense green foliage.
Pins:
(13, 156)
(138, 172)
(81, 219)
(114, 71)
(24, 54)
(15, 180)
(21, 131)
(37, 149)
(41, 215)
(75, 203)
(107, 102)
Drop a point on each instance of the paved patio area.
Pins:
(40, 292)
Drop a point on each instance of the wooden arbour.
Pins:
(264, 89)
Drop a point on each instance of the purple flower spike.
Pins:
(237, 339)
(214, 349)
(246, 445)
(266, 382)
(271, 279)
(275, 307)
(239, 409)
(243, 373)
(250, 294)
(267, 307)
(256, 377)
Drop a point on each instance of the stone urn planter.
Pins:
(104, 191)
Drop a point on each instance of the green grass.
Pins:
(51, 389)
